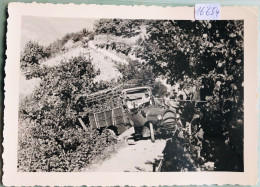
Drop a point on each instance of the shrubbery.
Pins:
(56, 142)
(60, 89)
(119, 27)
(117, 46)
(138, 73)
(32, 53)
(31, 56)
(59, 45)
(50, 148)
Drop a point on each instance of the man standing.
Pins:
(166, 100)
(173, 105)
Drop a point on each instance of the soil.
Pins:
(130, 156)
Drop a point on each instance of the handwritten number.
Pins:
(217, 12)
(198, 10)
(213, 9)
(202, 12)
(207, 11)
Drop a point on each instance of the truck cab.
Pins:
(144, 113)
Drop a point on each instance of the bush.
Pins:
(136, 73)
(77, 36)
(60, 89)
(59, 45)
(119, 47)
(56, 142)
(119, 27)
(31, 56)
(69, 149)
(32, 53)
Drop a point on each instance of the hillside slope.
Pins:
(102, 59)
(100, 50)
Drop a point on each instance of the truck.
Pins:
(119, 109)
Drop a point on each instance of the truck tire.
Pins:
(152, 132)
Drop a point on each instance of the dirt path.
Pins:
(141, 155)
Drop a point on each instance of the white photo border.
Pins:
(10, 174)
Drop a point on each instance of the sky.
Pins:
(48, 29)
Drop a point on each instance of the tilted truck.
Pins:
(119, 109)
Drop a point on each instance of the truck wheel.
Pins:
(152, 132)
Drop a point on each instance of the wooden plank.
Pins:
(82, 124)
(123, 116)
(159, 166)
(96, 120)
(92, 121)
(106, 118)
(109, 117)
(113, 117)
(101, 118)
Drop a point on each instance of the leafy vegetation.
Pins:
(211, 53)
(60, 45)
(120, 47)
(49, 148)
(135, 71)
(53, 110)
(32, 53)
(119, 27)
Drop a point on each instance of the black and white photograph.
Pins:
(130, 99)
(131, 95)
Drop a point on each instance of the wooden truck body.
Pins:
(114, 118)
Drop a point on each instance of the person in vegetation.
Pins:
(175, 103)
(171, 103)
(166, 100)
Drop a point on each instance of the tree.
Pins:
(119, 27)
(209, 52)
(136, 73)
(60, 88)
(31, 54)
(213, 53)
(57, 143)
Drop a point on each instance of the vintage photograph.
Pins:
(104, 95)
(130, 95)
